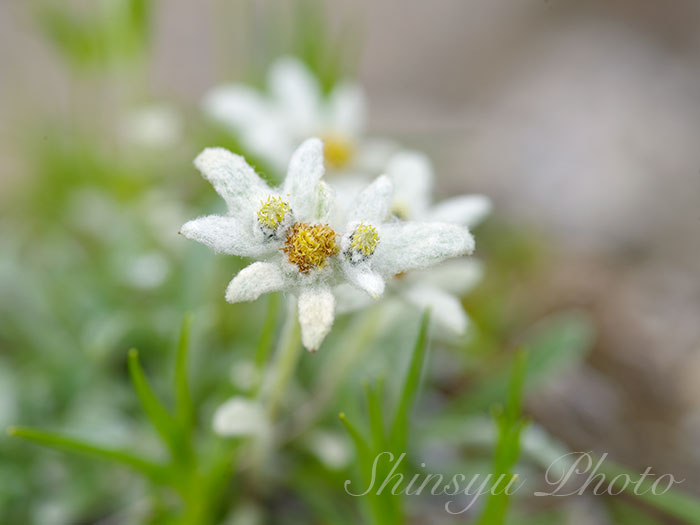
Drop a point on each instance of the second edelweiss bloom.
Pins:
(271, 123)
(291, 230)
(440, 287)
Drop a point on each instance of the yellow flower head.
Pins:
(310, 245)
(364, 239)
(273, 212)
(337, 151)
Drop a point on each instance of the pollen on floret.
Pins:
(337, 151)
(272, 215)
(363, 241)
(310, 245)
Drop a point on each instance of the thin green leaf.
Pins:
(376, 417)
(409, 390)
(162, 421)
(510, 426)
(673, 502)
(363, 449)
(157, 473)
(380, 510)
(139, 16)
(183, 399)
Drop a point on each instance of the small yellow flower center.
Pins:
(310, 245)
(337, 151)
(364, 239)
(272, 213)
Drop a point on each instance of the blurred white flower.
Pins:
(414, 179)
(440, 287)
(244, 375)
(241, 417)
(146, 271)
(288, 227)
(272, 124)
(331, 448)
(157, 127)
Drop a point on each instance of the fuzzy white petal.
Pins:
(305, 171)
(232, 178)
(240, 417)
(236, 106)
(346, 110)
(270, 141)
(412, 175)
(297, 93)
(316, 314)
(457, 276)
(446, 310)
(255, 280)
(226, 235)
(467, 210)
(362, 276)
(373, 204)
(408, 245)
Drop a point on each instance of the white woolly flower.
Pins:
(413, 178)
(272, 124)
(438, 288)
(301, 249)
(240, 416)
(156, 126)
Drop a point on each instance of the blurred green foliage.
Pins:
(109, 32)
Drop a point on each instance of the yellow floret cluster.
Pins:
(273, 212)
(310, 245)
(365, 239)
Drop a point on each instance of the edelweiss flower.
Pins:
(272, 124)
(438, 288)
(303, 252)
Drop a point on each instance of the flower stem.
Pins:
(286, 359)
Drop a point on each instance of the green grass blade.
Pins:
(153, 471)
(379, 505)
(139, 17)
(162, 421)
(376, 416)
(363, 449)
(409, 390)
(673, 502)
(507, 450)
(183, 399)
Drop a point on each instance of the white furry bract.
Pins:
(316, 314)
